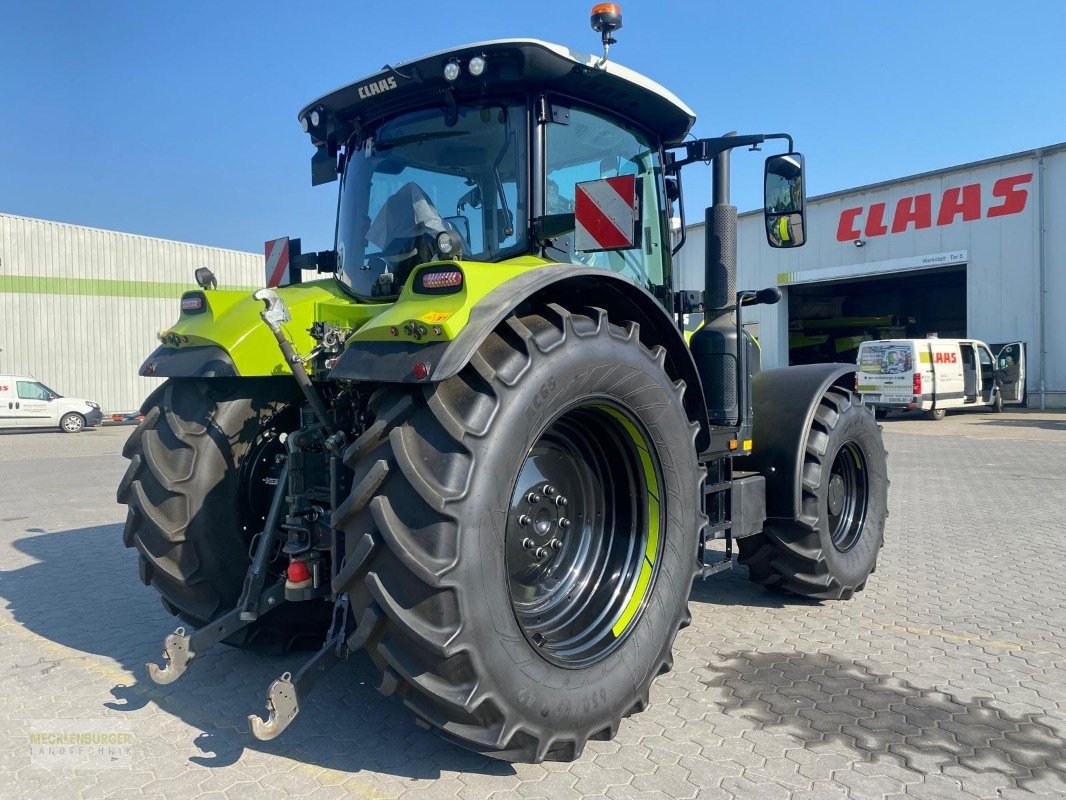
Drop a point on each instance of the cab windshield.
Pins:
(425, 172)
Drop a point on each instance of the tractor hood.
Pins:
(508, 65)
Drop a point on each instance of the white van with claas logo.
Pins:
(933, 375)
(28, 403)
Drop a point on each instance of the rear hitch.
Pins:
(179, 648)
(274, 315)
(286, 693)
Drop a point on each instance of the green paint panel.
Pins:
(449, 311)
(232, 322)
(97, 287)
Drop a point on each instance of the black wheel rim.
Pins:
(583, 534)
(848, 492)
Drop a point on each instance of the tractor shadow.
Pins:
(826, 701)
(732, 588)
(82, 592)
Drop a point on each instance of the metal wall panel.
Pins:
(80, 307)
(1003, 257)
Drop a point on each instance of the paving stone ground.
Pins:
(946, 678)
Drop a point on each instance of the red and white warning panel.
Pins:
(277, 262)
(606, 214)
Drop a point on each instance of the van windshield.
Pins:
(425, 172)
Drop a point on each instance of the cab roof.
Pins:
(510, 64)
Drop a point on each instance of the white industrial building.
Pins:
(964, 251)
(977, 250)
(80, 307)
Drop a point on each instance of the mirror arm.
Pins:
(707, 149)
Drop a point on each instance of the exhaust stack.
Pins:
(714, 346)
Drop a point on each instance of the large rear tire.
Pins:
(831, 549)
(196, 501)
(459, 556)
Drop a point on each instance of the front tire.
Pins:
(455, 607)
(195, 501)
(72, 422)
(831, 549)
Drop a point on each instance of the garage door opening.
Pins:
(827, 321)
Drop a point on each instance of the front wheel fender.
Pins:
(784, 401)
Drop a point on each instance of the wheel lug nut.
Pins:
(524, 520)
(555, 544)
(564, 522)
(540, 552)
(528, 543)
(560, 501)
(533, 497)
(549, 490)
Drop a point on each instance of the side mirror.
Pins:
(783, 200)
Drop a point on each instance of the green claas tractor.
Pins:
(479, 447)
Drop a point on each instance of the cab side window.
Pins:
(589, 147)
(27, 390)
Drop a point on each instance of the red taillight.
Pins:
(917, 387)
(298, 572)
(436, 280)
(193, 303)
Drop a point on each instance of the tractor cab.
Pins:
(493, 151)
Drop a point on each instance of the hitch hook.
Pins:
(282, 708)
(177, 655)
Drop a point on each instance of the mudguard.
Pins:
(208, 361)
(569, 286)
(784, 401)
(227, 337)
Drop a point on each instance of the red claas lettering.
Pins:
(1013, 197)
(916, 211)
(965, 200)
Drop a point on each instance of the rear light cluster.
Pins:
(917, 386)
(439, 281)
(193, 303)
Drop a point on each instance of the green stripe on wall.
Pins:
(99, 287)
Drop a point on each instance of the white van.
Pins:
(28, 403)
(933, 375)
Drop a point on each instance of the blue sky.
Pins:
(178, 120)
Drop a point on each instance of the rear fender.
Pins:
(227, 337)
(784, 401)
(569, 286)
